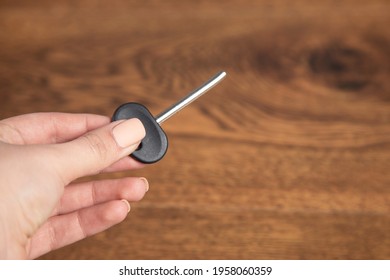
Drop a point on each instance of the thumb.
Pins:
(98, 149)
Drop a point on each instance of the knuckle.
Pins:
(52, 236)
(97, 146)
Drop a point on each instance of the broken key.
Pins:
(155, 144)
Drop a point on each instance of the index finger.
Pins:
(48, 128)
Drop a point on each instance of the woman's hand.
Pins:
(40, 155)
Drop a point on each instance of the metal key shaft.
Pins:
(190, 98)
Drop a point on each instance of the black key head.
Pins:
(155, 144)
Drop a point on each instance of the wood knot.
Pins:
(343, 67)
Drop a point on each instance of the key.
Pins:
(155, 144)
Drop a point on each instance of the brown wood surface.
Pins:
(289, 158)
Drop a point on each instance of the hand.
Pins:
(40, 155)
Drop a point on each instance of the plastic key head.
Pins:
(155, 144)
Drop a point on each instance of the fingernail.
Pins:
(128, 132)
(127, 204)
(146, 183)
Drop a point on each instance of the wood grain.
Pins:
(288, 158)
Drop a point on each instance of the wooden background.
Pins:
(289, 158)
